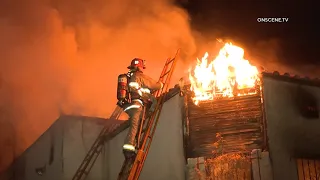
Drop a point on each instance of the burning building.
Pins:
(225, 100)
(229, 121)
(246, 124)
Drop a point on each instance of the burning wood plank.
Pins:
(224, 97)
(238, 120)
(228, 75)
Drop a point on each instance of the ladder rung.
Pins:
(170, 61)
(95, 150)
(165, 74)
(125, 171)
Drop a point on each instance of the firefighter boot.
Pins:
(129, 154)
(129, 151)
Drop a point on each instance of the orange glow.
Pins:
(219, 77)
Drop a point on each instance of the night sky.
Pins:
(299, 37)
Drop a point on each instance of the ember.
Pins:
(228, 75)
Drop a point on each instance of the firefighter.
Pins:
(140, 88)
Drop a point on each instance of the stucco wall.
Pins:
(78, 138)
(73, 136)
(290, 134)
(166, 156)
(38, 156)
(70, 137)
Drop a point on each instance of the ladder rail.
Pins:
(160, 103)
(126, 169)
(157, 94)
(153, 130)
(165, 68)
(99, 148)
(165, 77)
(141, 125)
(96, 148)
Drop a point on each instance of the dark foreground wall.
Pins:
(293, 123)
(61, 149)
(166, 156)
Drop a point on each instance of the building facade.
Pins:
(58, 153)
(272, 134)
(276, 129)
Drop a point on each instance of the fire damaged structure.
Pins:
(271, 133)
(57, 154)
(274, 127)
(238, 120)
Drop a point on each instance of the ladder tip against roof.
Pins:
(132, 167)
(133, 173)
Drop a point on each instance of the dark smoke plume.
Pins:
(64, 56)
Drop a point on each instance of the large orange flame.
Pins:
(228, 72)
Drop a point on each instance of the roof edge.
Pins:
(123, 126)
(80, 117)
(305, 80)
(293, 79)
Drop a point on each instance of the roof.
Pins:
(61, 122)
(292, 78)
(100, 121)
(96, 120)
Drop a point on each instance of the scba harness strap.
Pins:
(140, 90)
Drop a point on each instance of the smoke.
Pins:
(266, 54)
(269, 54)
(65, 56)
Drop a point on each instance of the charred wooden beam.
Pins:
(185, 123)
(238, 120)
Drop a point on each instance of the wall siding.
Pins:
(290, 133)
(72, 137)
(238, 121)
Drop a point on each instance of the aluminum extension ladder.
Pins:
(95, 150)
(132, 167)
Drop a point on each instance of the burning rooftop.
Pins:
(227, 75)
(225, 97)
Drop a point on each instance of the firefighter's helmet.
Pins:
(137, 63)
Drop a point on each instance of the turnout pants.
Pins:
(135, 115)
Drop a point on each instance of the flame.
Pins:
(228, 73)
